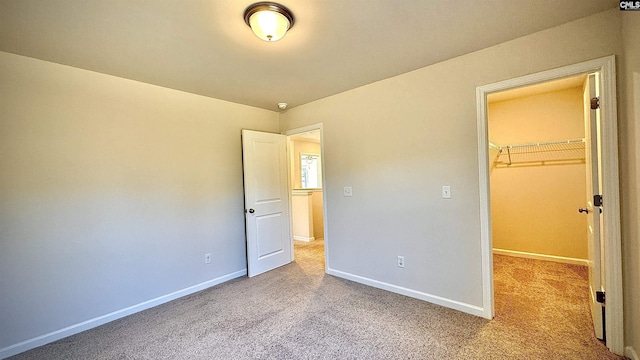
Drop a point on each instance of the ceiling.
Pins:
(311, 136)
(204, 46)
(555, 85)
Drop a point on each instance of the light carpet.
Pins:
(298, 312)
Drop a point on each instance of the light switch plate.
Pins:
(348, 191)
(446, 192)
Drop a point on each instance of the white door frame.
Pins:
(300, 130)
(611, 195)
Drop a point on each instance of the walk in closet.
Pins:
(537, 171)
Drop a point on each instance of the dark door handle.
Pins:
(582, 210)
(251, 211)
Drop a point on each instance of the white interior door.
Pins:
(593, 210)
(266, 198)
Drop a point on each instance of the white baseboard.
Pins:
(535, 256)
(303, 238)
(452, 304)
(631, 353)
(91, 323)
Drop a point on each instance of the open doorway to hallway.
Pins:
(307, 201)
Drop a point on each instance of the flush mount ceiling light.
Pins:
(268, 20)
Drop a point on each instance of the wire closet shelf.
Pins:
(540, 153)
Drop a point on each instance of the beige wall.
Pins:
(111, 192)
(318, 215)
(534, 207)
(308, 217)
(302, 215)
(629, 131)
(397, 141)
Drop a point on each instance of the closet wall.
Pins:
(534, 205)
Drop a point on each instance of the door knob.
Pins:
(251, 211)
(583, 210)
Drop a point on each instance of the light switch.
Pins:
(348, 191)
(446, 192)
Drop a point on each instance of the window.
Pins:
(310, 171)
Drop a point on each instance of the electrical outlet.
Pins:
(207, 258)
(401, 261)
(348, 191)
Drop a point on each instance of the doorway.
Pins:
(306, 175)
(538, 181)
(537, 171)
(611, 259)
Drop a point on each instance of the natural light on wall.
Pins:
(269, 21)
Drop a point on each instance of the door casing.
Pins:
(610, 187)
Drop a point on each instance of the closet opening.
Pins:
(307, 197)
(601, 207)
(540, 177)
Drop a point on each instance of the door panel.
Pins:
(265, 152)
(269, 233)
(266, 192)
(592, 161)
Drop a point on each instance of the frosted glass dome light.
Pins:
(269, 21)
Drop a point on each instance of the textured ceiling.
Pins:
(204, 47)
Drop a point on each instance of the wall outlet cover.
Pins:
(446, 192)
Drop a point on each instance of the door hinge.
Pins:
(600, 297)
(597, 200)
(595, 103)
